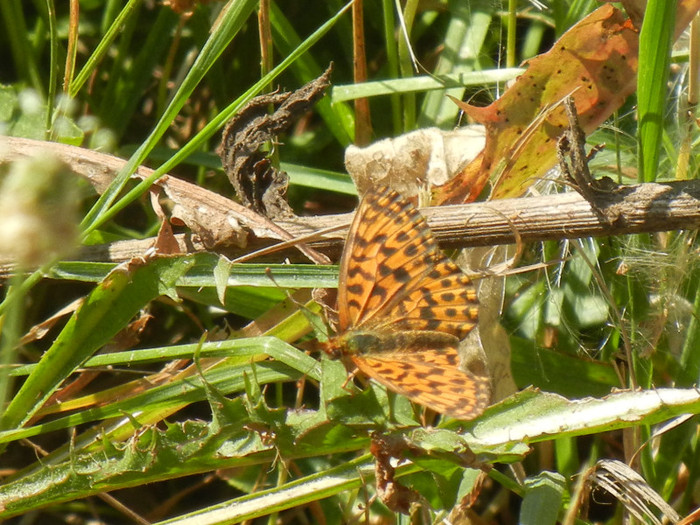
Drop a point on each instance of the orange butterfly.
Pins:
(403, 307)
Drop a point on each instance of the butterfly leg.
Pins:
(349, 379)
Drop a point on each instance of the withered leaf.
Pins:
(258, 184)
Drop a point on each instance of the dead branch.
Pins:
(640, 208)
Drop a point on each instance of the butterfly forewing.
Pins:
(388, 246)
(359, 264)
(393, 273)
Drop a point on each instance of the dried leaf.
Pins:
(632, 490)
(258, 184)
(595, 62)
(414, 161)
(393, 494)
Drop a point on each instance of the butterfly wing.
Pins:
(361, 287)
(431, 378)
(393, 275)
(401, 303)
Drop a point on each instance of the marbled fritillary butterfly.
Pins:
(403, 307)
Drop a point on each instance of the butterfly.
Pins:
(403, 307)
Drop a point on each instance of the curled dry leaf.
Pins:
(393, 494)
(493, 341)
(258, 184)
(632, 490)
(413, 161)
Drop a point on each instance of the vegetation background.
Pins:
(258, 429)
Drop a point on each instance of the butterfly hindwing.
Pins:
(431, 378)
(443, 300)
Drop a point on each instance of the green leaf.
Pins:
(530, 416)
(543, 499)
(415, 84)
(655, 41)
(106, 310)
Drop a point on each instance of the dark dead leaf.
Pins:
(258, 184)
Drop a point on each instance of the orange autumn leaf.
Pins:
(595, 62)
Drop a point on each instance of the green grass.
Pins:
(193, 389)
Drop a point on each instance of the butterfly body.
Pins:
(403, 308)
(358, 342)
